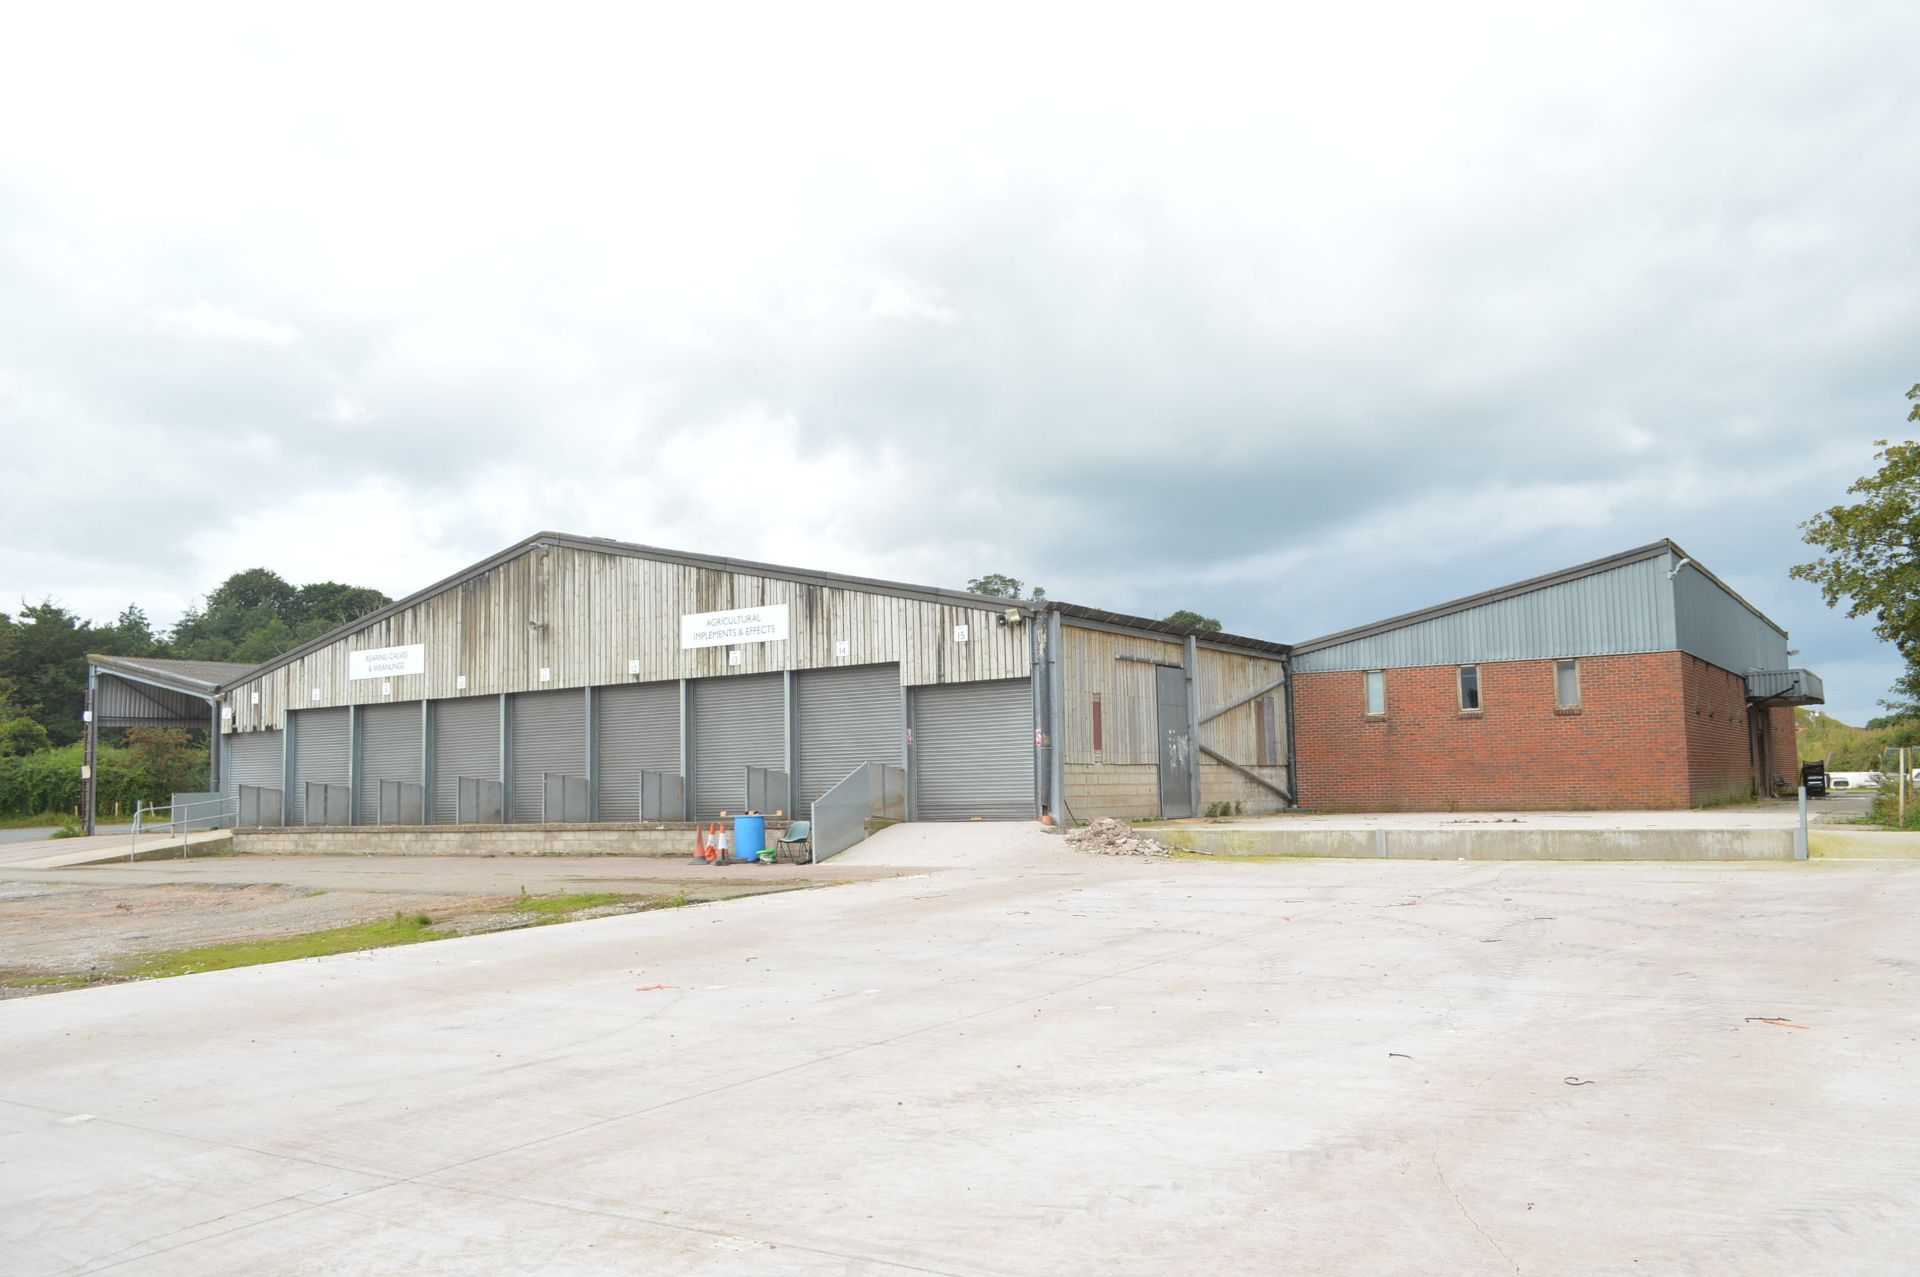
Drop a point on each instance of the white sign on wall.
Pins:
(387, 662)
(742, 625)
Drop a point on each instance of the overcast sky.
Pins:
(1299, 319)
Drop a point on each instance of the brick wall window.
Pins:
(1470, 688)
(1376, 693)
(1566, 685)
(1099, 727)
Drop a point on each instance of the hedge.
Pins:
(50, 781)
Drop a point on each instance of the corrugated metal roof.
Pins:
(1654, 597)
(192, 676)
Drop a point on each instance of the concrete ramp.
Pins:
(953, 845)
(68, 853)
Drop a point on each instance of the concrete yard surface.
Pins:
(1037, 1063)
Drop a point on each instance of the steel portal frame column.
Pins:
(1056, 712)
(89, 787)
(786, 728)
(286, 765)
(593, 763)
(1193, 722)
(354, 724)
(1042, 724)
(213, 747)
(427, 777)
(506, 760)
(686, 777)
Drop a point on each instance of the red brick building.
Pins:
(1636, 681)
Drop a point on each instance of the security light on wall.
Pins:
(1009, 617)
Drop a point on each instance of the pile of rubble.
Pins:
(1110, 837)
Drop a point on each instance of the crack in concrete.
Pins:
(1468, 1215)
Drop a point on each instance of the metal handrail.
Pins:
(183, 816)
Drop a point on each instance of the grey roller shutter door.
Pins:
(844, 717)
(973, 751)
(389, 750)
(639, 729)
(466, 742)
(735, 723)
(252, 758)
(319, 756)
(549, 734)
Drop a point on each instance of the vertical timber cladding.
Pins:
(389, 750)
(973, 751)
(639, 730)
(842, 718)
(732, 724)
(252, 758)
(466, 743)
(319, 756)
(549, 734)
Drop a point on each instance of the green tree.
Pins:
(46, 663)
(170, 756)
(1193, 620)
(999, 586)
(22, 736)
(256, 615)
(1872, 555)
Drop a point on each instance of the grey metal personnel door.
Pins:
(1176, 743)
(844, 717)
(639, 729)
(735, 723)
(319, 756)
(389, 750)
(466, 743)
(549, 734)
(973, 751)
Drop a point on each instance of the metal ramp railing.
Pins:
(194, 815)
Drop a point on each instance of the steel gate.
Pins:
(389, 750)
(466, 744)
(842, 718)
(319, 756)
(638, 726)
(734, 723)
(973, 751)
(549, 735)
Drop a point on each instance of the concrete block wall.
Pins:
(1625, 747)
(672, 839)
(1130, 791)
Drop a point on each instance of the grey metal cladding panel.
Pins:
(389, 750)
(466, 742)
(549, 734)
(734, 723)
(1720, 630)
(319, 756)
(842, 718)
(252, 758)
(639, 730)
(973, 751)
(1625, 609)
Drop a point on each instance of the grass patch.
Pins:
(398, 930)
(565, 906)
(39, 820)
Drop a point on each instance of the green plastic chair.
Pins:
(798, 835)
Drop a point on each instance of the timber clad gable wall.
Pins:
(583, 615)
(1122, 777)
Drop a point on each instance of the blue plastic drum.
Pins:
(749, 837)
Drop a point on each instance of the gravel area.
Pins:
(59, 929)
